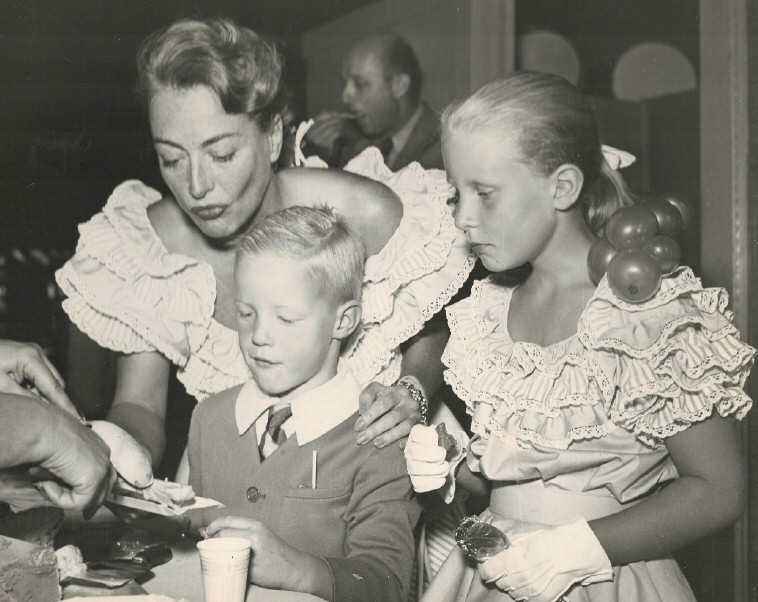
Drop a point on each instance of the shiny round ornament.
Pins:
(631, 227)
(634, 276)
(670, 219)
(598, 259)
(666, 252)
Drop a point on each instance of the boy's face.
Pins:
(285, 324)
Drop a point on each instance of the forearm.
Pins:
(687, 510)
(314, 577)
(144, 424)
(473, 483)
(422, 358)
(377, 580)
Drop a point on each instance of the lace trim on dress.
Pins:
(653, 371)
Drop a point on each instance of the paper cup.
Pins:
(224, 562)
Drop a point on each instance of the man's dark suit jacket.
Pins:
(423, 145)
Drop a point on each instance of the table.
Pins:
(178, 578)
(181, 578)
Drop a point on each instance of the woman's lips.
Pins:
(209, 212)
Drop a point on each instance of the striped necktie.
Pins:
(274, 434)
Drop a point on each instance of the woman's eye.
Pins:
(224, 158)
(168, 163)
(484, 194)
(244, 313)
(286, 320)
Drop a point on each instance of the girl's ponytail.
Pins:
(608, 193)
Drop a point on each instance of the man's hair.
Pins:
(399, 58)
(326, 244)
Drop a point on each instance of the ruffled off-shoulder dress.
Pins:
(128, 293)
(579, 427)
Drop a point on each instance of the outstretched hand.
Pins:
(79, 460)
(387, 414)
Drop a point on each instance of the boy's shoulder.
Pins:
(217, 402)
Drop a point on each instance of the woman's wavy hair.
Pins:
(244, 69)
(553, 125)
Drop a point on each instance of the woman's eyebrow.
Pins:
(204, 144)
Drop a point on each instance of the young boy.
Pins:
(323, 515)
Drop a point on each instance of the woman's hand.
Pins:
(273, 562)
(387, 414)
(26, 370)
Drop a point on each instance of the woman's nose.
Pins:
(464, 213)
(200, 180)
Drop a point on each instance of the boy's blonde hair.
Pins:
(553, 125)
(329, 248)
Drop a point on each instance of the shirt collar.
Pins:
(401, 136)
(337, 400)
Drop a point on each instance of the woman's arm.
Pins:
(140, 401)
(369, 206)
(709, 495)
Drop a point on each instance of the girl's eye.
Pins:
(244, 313)
(286, 320)
(484, 194)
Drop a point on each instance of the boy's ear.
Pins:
(400, 84)
(275, 137)
(566, 184)
(348, 319)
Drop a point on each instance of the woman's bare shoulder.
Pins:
(170, 223)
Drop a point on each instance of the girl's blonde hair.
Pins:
(329, 248)
(553, 126)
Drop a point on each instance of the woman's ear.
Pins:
(275, 136)
(566, 184)
(348, 319)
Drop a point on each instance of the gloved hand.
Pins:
(541, 565)
(429, 465)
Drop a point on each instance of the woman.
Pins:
(152, 276)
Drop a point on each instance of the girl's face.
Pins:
(217, 165)
(505, 209)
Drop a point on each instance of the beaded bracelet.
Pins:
(417, 394)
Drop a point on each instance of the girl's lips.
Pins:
(209, 212)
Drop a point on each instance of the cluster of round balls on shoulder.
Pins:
(638, 248)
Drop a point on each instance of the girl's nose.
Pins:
(200, 180)
(464, 213)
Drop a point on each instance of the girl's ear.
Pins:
(275, 136)
(566, 184)
(348, 319)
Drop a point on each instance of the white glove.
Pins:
(429, 465)
(541, 565)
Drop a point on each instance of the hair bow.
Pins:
(617, 158)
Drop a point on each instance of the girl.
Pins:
(604, 429)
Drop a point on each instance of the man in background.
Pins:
(382, 95)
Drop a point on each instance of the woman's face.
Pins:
(217, 165)
(505, 209)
